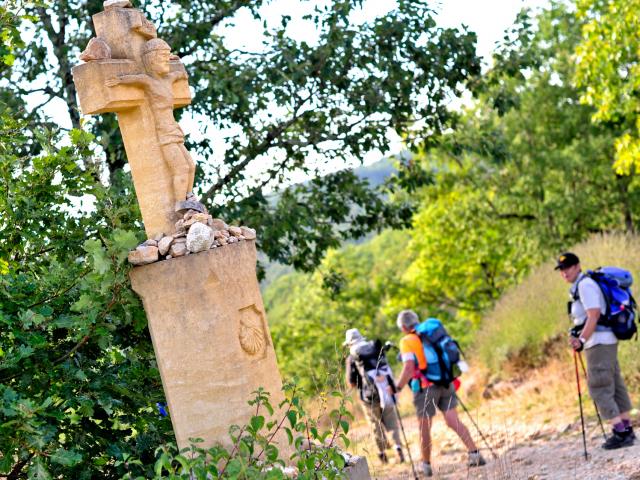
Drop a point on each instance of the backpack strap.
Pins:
(600, 327)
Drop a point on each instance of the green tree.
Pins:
(521, 175)
(524, 174)
(78, 379)
(609, 69)
(310, 313)
(291, 107)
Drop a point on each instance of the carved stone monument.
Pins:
(205, 311)
(131, 72)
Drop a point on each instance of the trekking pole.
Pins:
(595, 405)
(404, 435)
(584, 436)
(495, 457)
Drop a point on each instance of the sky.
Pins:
(488, 18)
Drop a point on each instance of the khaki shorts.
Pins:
(605, 382)
(434, 397)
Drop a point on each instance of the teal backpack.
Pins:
(441, 352)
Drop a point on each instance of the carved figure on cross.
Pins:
(157, 84)
(130, 72)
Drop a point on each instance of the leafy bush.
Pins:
(309, 313)
(254, 454)
(528, 319)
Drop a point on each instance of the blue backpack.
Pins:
(440, 350)
(620, 314)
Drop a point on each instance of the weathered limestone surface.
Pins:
(126, 32)
(358, 469)
(211, 339)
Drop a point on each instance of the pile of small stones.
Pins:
(194, 232)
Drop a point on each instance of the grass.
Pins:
(529, 324)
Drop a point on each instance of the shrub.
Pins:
(254, 454)
(528, 319)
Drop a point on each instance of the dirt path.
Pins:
(534, 429)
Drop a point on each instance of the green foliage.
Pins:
(516, 180)
(11, 15)
(77, 370)
(291, 107)
(527, 321)
(309, 313)
(312, 217)
(522, 174)
(254, 453)
(609, 69)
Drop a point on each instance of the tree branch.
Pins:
(17, 468)
(272, 135)
(57, 39)
(59, 293)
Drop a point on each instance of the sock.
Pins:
(619, 427)
(626, 423)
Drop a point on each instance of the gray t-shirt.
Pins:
(590, 296)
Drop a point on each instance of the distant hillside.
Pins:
(376, 173)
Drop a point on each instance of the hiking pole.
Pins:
(584, 370)
(584, 436)
(495, 457)
(394, 390)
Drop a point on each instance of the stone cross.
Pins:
(130, 71)
(205, 312)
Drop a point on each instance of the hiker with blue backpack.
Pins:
(603, 312)
(429, 357)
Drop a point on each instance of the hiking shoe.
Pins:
(618, 440)
(426, 469)
(383, 457)
(631, 432)
(476, 459)
(400, 455)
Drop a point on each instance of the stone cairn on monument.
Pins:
(195, 232)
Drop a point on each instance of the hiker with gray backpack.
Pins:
(430, 358)
(368, 371)
(603, 312)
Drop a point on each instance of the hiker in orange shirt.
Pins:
(427, 396)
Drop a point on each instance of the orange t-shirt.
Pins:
(411, 349)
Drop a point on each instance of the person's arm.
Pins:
(175, 76)
(408, 369)
(593, 314)
(138, 80)
(349, 373)
(590, 296)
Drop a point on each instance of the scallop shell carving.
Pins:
(252, 334)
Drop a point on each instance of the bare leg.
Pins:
(179, 169)
(192, 167)
(373, 414)
(454, 423)
(425, 438)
